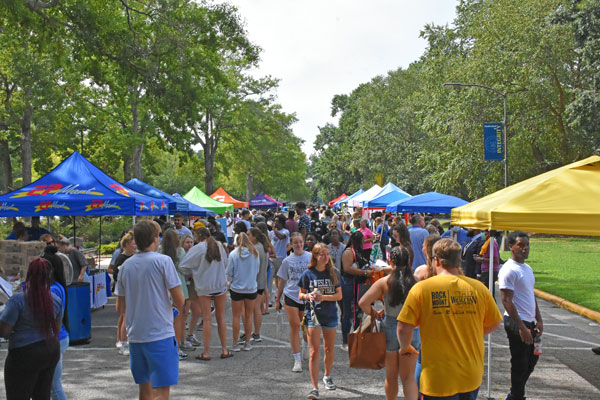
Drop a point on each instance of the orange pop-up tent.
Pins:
(221, 195)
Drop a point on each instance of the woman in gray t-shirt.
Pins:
(289, 275)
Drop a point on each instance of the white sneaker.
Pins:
(344, 347)
(297, 366)
(118, 345)
(124, 350)
(329, 385)
(247, 347)
(187, 346)
(235, 347)
(193, 340)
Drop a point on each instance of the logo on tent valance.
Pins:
(56, 189)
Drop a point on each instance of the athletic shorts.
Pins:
(292, 303)
(235, 296)
(156, 362)
(275, 263)
(217, 293)
(260, 292)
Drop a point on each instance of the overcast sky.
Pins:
(320, 48)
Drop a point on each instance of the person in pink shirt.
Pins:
(369, 236)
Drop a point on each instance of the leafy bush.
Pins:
(109, 248)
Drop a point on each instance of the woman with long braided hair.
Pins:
(31, 322)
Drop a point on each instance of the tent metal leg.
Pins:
(490, 287)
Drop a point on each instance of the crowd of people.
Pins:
(321, 268)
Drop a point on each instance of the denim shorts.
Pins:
(389, 326)
(327, 325)
(156, 362)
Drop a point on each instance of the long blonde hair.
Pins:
(244, 241)
(319, 247)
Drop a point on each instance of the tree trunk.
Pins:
(209, 147)
(209, 166)
(126, 168)
(138, 149)
(6, 167)
(26, 157)
(249, 180)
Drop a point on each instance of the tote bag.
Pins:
(366, 346)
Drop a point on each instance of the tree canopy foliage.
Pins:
(157, 90)
(423, 136)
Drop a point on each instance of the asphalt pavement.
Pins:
(567, 369)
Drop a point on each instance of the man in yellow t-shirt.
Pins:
(454, 313)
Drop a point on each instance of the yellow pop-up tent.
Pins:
(564, 201)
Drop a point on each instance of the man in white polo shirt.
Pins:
(522, 319)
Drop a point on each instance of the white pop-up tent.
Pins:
(356, 202)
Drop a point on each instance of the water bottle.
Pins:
(537, 344)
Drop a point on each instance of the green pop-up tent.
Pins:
(201, 199)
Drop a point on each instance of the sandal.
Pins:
(201, 357)
(228, 355)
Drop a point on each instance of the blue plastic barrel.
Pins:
(78, 310)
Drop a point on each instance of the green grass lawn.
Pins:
(568, 268)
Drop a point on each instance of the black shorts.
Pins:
(292, 303)
(235, 296)
(260, 292)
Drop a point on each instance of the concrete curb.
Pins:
(567, 305)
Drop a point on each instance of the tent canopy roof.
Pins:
(78, 187)
(430, 202)
(175, 204)
(388, 194)
(561, 201)
(357, 201)
(199, 198)
(194, 209)
(221, 195)
(340, 197)
(261, 201)
(272, 199)
(353, 195)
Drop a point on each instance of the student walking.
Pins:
(207, 261)
(259, 241)
(319, 285)
(394, 288)
(58, 288)
(292, 268)
(242, 269)
(147, 282)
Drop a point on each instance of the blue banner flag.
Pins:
(493, 141)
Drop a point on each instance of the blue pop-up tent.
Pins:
(431, 202)
(175, 205)
(77, 187)
(345, 200)
(390, 193)
(194, 209)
